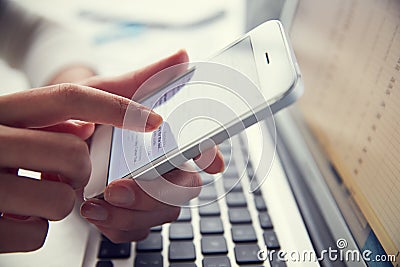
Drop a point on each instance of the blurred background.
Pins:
(125, 35)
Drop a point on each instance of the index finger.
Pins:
(53, 104)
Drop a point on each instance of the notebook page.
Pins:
(349, 53)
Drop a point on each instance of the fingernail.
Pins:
(93, 211)
(153, 120)
(141, 118)
(120, 195)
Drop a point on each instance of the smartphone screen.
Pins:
(206, 98)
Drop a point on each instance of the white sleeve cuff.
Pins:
(54, 49)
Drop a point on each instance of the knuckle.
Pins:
(197, 184)
(193, 184)
(8, 139)
(196, 181)
(78, 155)
(184, 178)
(68, 91)
(77, 147)
(123, 106)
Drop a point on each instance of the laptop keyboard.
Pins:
(225, 230)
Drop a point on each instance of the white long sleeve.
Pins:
(38, 47)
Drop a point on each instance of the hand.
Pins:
(130, 208)
(36, 133)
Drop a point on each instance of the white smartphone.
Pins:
(249, 80)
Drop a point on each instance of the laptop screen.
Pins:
(349, 53)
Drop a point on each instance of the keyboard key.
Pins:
(236, 199)
(250, 170)
(243, 233)
(211, 225)
(260, 203)
(152, 243)
(239, 215)
(270, 239)
(227, 154)
(180, 231)
(213, 245)
(247, 254)
(206, 178)
(257, 192)
(265, 220)
(103, 237)
(208, 192)
(181, 251)
(228, 160)
(225, 148)
(156, 228)
(183, 264)
(185, 215)
(276, 263)
(104, 264)
(217, 261)
(230, 171)
(232, 185)
(211, 209)
(148, 259)
(109, 250)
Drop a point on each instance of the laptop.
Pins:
(307, 211)
(311, 209)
